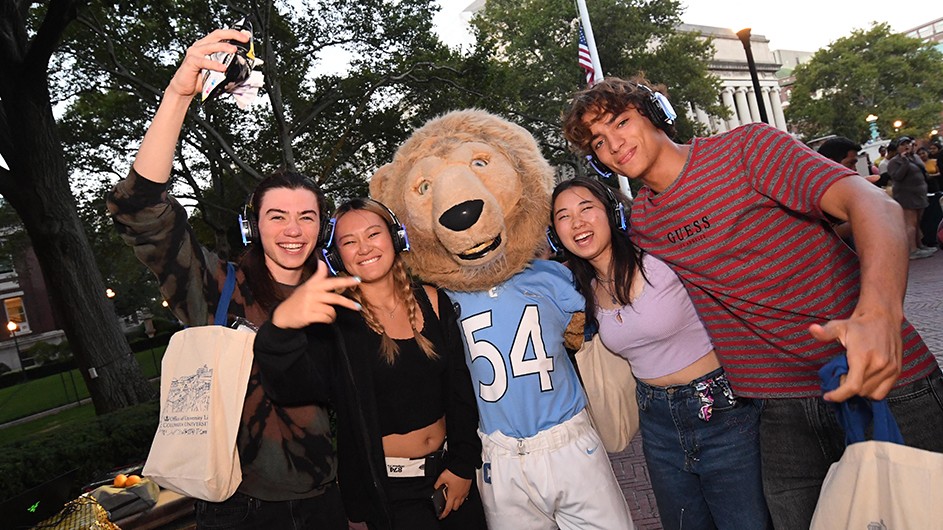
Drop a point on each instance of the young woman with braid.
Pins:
(700, 440)
(396, 375)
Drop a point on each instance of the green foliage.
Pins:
(872, 71)
(534, 47)
(93, 445)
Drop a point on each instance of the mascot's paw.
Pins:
(573, 336)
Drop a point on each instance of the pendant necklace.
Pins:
(394, 309)
(612, 297)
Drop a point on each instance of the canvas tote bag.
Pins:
(610, 393)
(204, 375)
(877, 484)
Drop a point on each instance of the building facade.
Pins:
(25, 302)
(737, 94)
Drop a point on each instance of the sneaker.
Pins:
(931, 250)
(921, 253)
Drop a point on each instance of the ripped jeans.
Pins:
(702, 447)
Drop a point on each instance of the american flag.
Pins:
(586, 60)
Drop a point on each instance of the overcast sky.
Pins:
(804, 25)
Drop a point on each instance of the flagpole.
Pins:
(590, 40)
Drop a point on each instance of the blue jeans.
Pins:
(705, 473)
(242, 512)
(800, 439)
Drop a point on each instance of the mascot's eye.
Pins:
(479, 162)
(423, 187)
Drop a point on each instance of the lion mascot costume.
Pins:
(473, 191)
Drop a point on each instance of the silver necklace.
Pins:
(605, 286)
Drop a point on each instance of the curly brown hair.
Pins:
(612, 95)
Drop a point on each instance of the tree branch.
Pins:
(58, 16)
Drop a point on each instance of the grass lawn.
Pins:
(56, 390)
(77, 415)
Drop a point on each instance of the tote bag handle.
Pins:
(857, 413)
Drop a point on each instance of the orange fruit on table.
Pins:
(132, 480)
(120, 480)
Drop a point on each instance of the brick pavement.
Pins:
(923, 306)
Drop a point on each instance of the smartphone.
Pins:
(863, 165)
(439, 497)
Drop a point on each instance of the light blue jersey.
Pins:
(513, 335)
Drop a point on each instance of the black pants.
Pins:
(411, 503)
(932, 216)
(241, 512)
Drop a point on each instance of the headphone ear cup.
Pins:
(248, 223)
(659, 116)
(325, 232)
(245, 230)
(400, 238)
(601, 169)
(618, 213)
(329, 251)
(554, 240)
(616, 210)
(333, 259)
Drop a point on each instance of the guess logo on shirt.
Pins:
(688, 230)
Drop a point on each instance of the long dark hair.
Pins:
(263, 287)
(626, 257)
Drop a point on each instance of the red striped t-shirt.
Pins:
(743, 229)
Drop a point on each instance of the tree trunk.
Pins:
(37, 186)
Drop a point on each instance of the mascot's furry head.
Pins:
(474, 193)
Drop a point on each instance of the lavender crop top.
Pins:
(660, 333)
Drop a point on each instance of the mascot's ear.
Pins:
(379, 183)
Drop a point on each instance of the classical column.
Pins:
(768, 106)
(726, 95)
(743, 109)
(754, 109)
(689, 112)
(719, 125)
(702, 117)
(776, 105)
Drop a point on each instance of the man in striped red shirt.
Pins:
(742, 219)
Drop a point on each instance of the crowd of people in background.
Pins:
(910, 172)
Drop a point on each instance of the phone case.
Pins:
(439, 498)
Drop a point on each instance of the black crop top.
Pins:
(410, 393)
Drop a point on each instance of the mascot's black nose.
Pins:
(462, 216)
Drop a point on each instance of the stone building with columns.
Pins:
(737, 94)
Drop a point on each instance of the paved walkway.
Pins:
(923, 305)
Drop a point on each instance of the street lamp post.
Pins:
(744, 35)
(872, 125)
(12, 327)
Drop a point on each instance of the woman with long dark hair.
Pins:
(701, 442)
